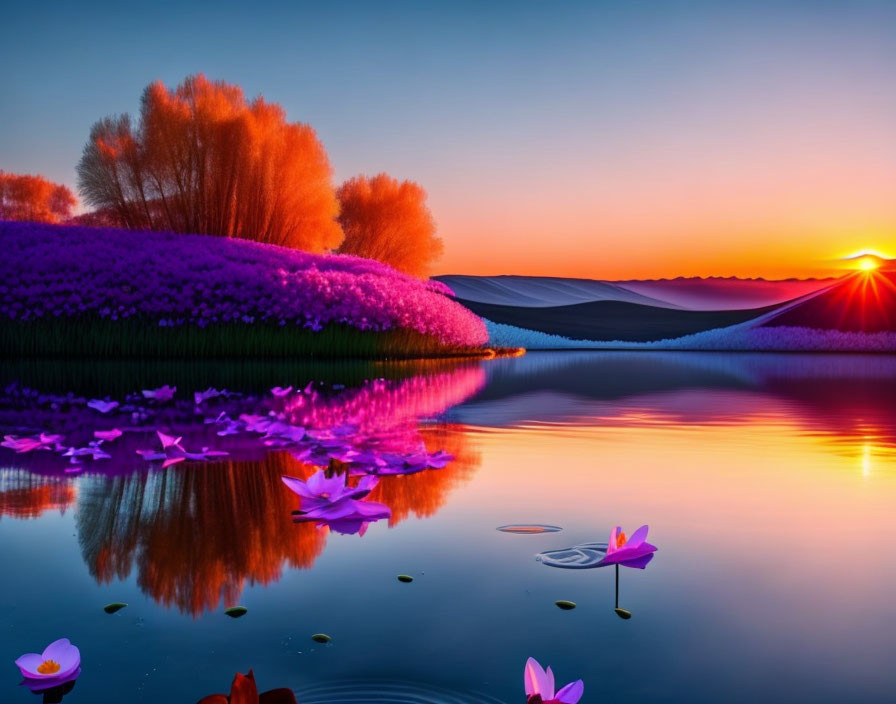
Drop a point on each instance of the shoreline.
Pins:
(92, 338)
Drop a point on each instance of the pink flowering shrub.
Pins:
(176, 280)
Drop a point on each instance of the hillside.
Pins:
(71, 291)
(613, 320)
(863, 302)
(702, 294)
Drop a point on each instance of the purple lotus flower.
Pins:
(540, 686)
(102, 406)
(59, 663)
(161, 394)
(329, 501)
(107, 435)
(631, 552)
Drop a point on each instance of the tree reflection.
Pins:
(196, 538)
(424, 493)
(197, 534)
(24, 495)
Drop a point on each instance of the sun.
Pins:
(868, 263)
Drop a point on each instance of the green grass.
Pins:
(103, 339)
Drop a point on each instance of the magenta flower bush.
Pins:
(171, 280)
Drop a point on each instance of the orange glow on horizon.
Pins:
(681, 235)
(867, 260)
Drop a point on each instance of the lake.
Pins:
(768, 482)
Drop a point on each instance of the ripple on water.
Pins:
(578, 557)
(394, 692)
(529, 528)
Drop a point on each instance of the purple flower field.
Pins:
(166, 280)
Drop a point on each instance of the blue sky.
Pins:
(523, 120)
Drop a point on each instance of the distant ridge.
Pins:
(696, 294)
(542, 291)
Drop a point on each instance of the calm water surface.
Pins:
(769, 483)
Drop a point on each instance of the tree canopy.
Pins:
(388, 220)
(203, 159)
(34, 198)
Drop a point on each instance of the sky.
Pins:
(611, 140)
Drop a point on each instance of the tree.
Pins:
(388, 220)
(26, 197)
(202, 159)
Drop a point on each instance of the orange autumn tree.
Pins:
(34, 198)
(388, 220)
(203, 159)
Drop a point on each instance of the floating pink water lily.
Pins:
(173, 452)
(92, 450)
(107, 435)
(44, 441)
(161, 394)
(540, 686)
(256, 423)
(629, 552)
(205, 453)
(169, 441)
(328, 500)
(365, 428)
(200, 397)
(102, 406)
(59, 663)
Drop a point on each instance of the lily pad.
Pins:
(566, 605)
(623, 613)
(236, 611)
(321, 638)
(528, 528)
(405, 578)
(114, 606)
(578, 557)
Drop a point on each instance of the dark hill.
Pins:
(613, 320)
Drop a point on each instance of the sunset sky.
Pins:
(596, 139)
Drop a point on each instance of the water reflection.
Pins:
(845, 399)
(24, 495)
(54, 695)
(726, 454)
(196, 537)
